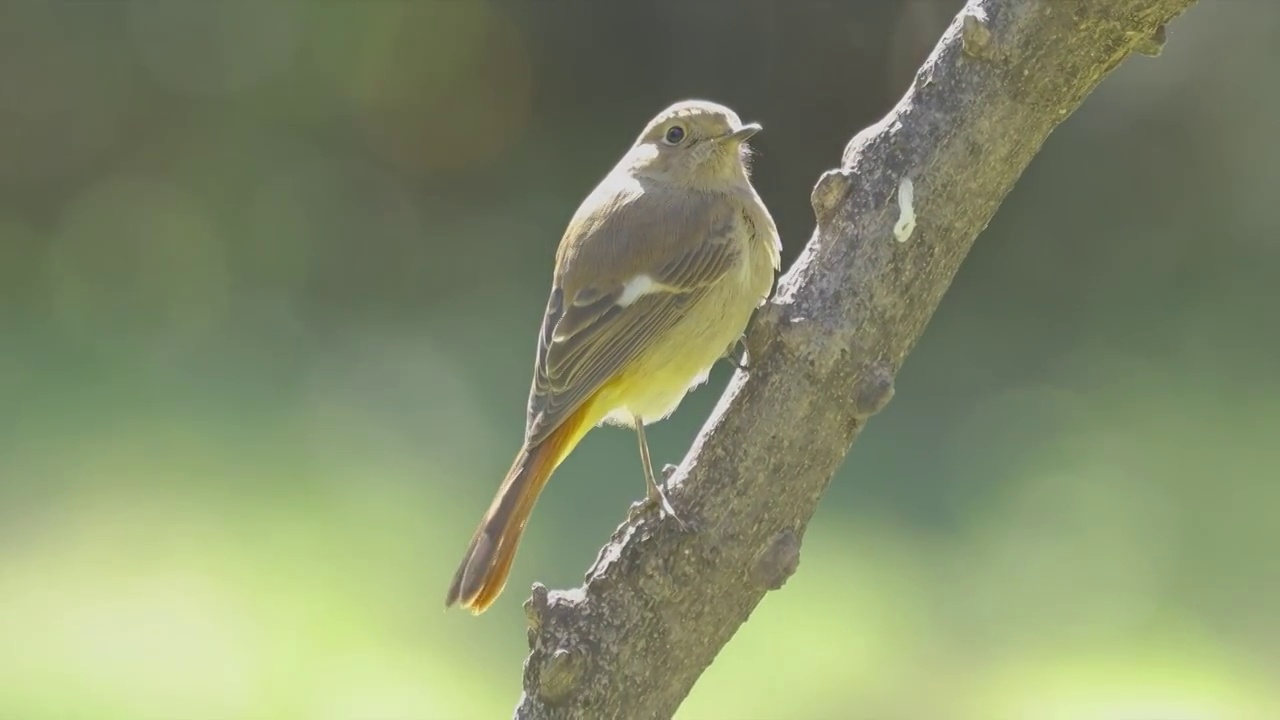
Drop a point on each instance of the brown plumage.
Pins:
(656, 278)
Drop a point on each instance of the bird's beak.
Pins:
(742, 133)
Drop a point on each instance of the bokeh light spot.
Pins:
(73, 111)
(21, 250)
(437, 86)
(137, 258)
(205, 48)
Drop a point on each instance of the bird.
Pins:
(656, 278)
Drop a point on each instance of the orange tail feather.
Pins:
(484, 569)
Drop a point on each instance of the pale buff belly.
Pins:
(653, 386)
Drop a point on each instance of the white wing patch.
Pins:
(638, 287)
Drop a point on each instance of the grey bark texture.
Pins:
(659, 603)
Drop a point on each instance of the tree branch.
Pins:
(893, 224)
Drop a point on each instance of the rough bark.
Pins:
(659, 603)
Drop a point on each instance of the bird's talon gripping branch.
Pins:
(740, 362)
(659, 499)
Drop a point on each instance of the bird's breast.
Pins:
(681, 359)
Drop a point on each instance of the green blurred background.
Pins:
(270, 275)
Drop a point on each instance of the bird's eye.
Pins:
(674, 135)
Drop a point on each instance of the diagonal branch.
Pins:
(893, 224)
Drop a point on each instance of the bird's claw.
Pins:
(655, 498)
(742, 361)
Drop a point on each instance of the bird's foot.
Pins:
(655, 497)
(741, 361)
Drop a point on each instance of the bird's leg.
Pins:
(654, 495)
(739, 362)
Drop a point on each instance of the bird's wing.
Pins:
(597, 322)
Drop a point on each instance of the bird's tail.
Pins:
(484, 569)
